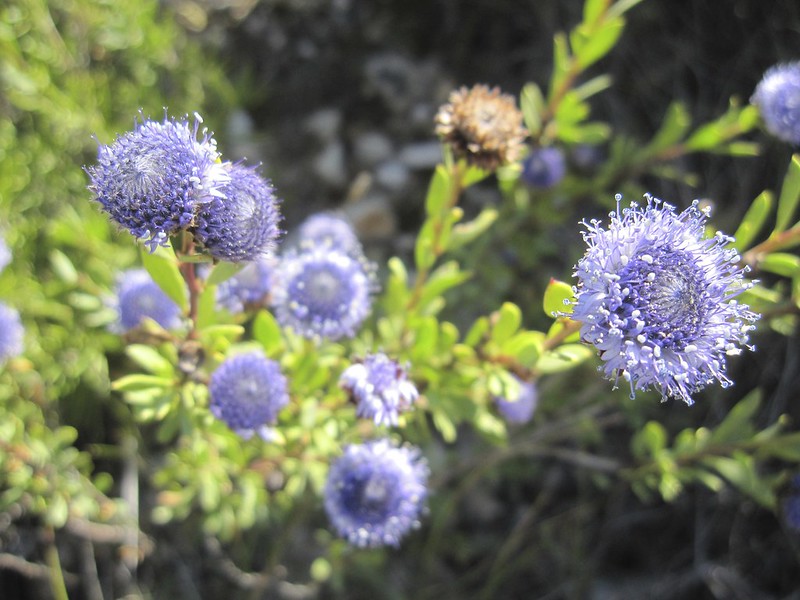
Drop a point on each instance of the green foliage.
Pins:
(475, 311)
(732, 452)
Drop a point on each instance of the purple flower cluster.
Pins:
(519, 410)
(247, 392)
(657, 299)
(375, 493)
(242, 226)
(139, 297)
(380, 388)
(250, 287)
(327, 228)
(160, 179)
(778, 99)
(544, 167)
(11, 333)
(323, 291)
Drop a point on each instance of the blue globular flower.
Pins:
(11, 333)
(544, 167)
(322, 291)
(520, 409)
(376, 492)
(380, 388)
(778, 99)
(242, 226)
(327, 228)
(250, 287)
(153, 180)
(247, 392)
(139, 297)
(5, 254)
(657, 299)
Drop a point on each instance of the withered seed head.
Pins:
(482, 125)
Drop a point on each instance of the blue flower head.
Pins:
(778, 99)
(242, 226)
(375, 493)
(152, 180)
(521, 409)
(657, 299)
(322, 291)
(247, 392)
(380, 388)
(139, 297)
(250, 287)
(544, 167)
(11, 333)
(327, 228)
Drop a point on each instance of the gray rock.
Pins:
(329, 165)
(392, 175)
(324, 124)
(421, 155)
(371, 148)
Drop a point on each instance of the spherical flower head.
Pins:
(243, 225)
(152, 180)
(657, 299)
(483, 126)
(323, 292)
(11, 333)
(520, 409)
(375, 493)
(327, 228)
(544, 167)
(778, 99)
(139, 297)
(247, 391)
(380, 388)
(250, 287)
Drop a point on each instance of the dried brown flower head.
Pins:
(482, 125)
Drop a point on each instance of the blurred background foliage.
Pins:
(517, 516)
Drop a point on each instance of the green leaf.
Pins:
(440, 190)
(593, 9)
(224, 271)
(464, 233)
(139, 382)
(426, 334)
(740, 471)
(163, 268)
(600, 42)
(525, 347)
(396, 295)
(424, 253)
(650, 441)
(753, 221)
(63, 267)
(674, 126)
(445, 277)
(445, 425)
(785, 447)
(558, 296)
(150, 360)
(477, 332)
(532, 105)
(267, 332)
(781, 263)
(790, 195)
(505, 322)
(563, 358)
(737, 424)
